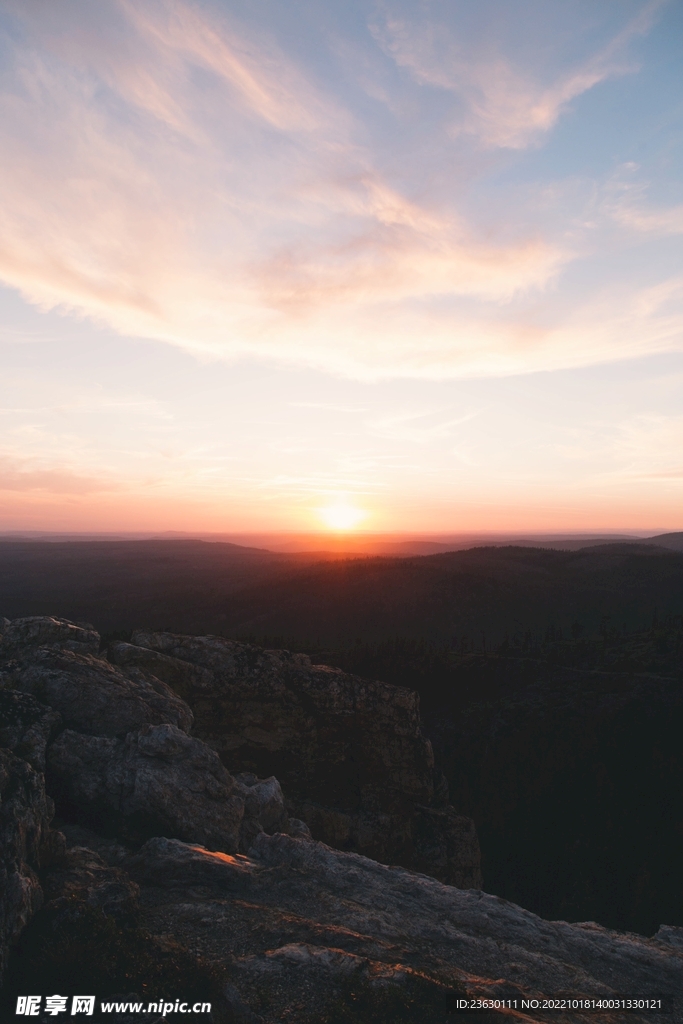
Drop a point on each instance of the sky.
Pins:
(398, 266)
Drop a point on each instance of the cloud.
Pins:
(412, 428)
(228, 253)
(176, 175)
(627, 203)
(503, 104)
(264, 82)
(22, 474)
(648, 447)
(650, 220)
(393, 264)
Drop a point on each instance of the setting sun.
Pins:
(341, 516)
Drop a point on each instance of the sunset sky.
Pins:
(405, 265)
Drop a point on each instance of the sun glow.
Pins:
(341, 516)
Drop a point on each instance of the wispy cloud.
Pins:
(648, 447)
(329, 407)
(264, 82)
(224, 252)
(651, 220)
(504, 105)
(402, 252)
(420, 427)
(22, 474)
(627, 202)
(177, 175)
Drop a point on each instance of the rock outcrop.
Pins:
(349, 753)
(25, 815)
(91, 695)
(175, 878)
(117, 755)
(20, 635)
(303, 919)
(156, 781)
(26, 726)
(121, 757)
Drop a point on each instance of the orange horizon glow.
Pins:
(130, 512)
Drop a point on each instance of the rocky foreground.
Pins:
(194, 779)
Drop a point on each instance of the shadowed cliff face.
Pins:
(25, 815)
(349, 752)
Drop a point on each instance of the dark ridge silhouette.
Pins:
(669, 540)
(480, 595)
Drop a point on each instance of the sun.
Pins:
(341, 516)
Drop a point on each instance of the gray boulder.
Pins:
(154, 781)
(93, 696)
(670, 935)
(26, 726)
(19, 635)
(263, 799)
(298, 829)
(482, 933)
(264, 808)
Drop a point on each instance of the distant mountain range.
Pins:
(479, 595)
(348, 545)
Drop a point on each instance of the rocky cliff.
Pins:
(349, 753)
(171, 873)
